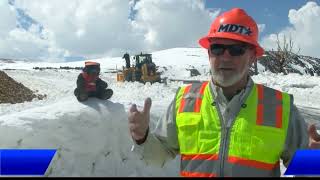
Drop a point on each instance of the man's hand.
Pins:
(139, 121)
(314, 137)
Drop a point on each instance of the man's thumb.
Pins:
(313, 132)
(147, 105)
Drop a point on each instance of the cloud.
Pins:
(8, 19)
(304, 30)
(167, 23)
(97, 28)
(22, 44)
(83, 27)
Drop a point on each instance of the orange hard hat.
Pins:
(91, 63)
(235, 24)
(91, 67)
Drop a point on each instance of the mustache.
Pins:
(226, 67)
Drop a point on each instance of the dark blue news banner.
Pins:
(304, 162)
(25, 162)
(35, 162)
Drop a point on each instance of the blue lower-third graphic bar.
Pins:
(25, 162)
(304, 162)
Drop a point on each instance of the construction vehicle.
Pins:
(144, 70)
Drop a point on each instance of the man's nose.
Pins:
(225, 56)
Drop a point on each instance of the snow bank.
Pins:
(92, 138)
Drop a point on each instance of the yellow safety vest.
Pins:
(251, 146)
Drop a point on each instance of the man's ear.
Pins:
(253, 57)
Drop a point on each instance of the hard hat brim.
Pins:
(90, 63)
(205, 43)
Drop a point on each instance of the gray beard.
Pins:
(227, 81)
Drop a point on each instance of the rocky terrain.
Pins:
(14, 92)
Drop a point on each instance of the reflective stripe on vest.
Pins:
(273, 100)
(201, 165)
(256, 138)
(89, 82)
(192, 98)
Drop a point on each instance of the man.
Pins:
(90, 85)
(126, 56)
(229, 126)
(151, 68)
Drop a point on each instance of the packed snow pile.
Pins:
(14, 92)
(91, 138)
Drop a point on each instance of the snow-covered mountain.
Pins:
(92, 138)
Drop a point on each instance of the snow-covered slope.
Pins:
(92, 138)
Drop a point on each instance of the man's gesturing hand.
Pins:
(139, 121)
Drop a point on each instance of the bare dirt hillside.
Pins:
(14, 92)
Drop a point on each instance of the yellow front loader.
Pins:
(143, 71)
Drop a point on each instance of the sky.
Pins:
(272, 13)
(57, 30)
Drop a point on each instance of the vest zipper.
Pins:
(225, 137)
(222, 143)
